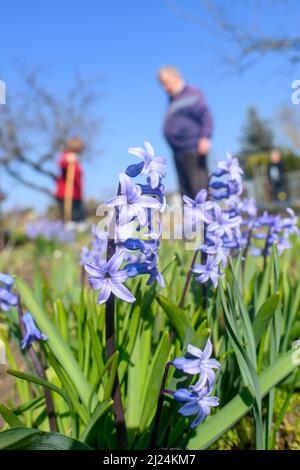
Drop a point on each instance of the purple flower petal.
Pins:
(207, 350)
(189, 408)
(122, 292)
(195, 351)
(105, 292)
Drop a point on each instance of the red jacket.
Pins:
(61, 180)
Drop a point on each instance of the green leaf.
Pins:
(263, 316)
(55, 340)
(227, 417)
(247, 369)
(33, 439)
(96, 346)
(91, 429)
(36, 380)
(13, 438)
(23, 387)
(113, 362)
(70, 391)
(200, 338)
(112, 375)
(282, 413)
(135, 380)
(292, 312)
(62, 319)
(129, 339)
(246, 366)
(247, 326)
(154, 377)
(178, 319)
(31, 404)
(9, 417)
(263, 285)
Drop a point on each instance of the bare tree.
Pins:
(249, 37)
(37, 120)
(289, 121)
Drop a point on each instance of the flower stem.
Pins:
(169, 392)
(246, 250)
(82, 276)
(41, 373)
(159, 407)
(110, 349)
(187, 281)
(265, 252)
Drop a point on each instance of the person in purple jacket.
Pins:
(188, 129)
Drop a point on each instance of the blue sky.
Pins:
(125, 41)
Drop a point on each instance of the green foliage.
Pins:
(33, 439)
(256, 137)
(252, 319)
(258, 161)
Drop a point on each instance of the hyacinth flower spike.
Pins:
(32, 332)
(230, 166)
(7, 280)
(209, 270)
(197, 397)
(154, 167)
(7, 298)
(132, 212)
(202, 364)
(108, 278)
(197, 403)
(132, 202)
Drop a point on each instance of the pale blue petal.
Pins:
(105, 292)
(95, 271)
(189, 408)
(192, 366)
(122, 292)
(199, 419)
(212, 363)
(96, 283)
(210, 401)
(149, 149)
(179, 362)
(194, 351)
(139, 152)
(183, 394)
(116, 201)
(119, 276)
(207, 350)
(115, 261)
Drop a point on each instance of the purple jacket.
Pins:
(187, 119)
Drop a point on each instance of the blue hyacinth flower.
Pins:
(203, 364)
(32, 332)
(196, 403)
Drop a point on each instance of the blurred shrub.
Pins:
(257, 163)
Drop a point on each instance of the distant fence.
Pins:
(258, 188)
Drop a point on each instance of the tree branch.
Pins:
(38, 110)
(14, 174)
(252, 44)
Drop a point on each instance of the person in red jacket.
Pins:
(69, 187)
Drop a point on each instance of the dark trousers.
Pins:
(192, 173)
(78, 212)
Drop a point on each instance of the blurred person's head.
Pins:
(170, 79)
(75, 145)
(275, 156)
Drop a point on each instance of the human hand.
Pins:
(203, 146)
(71, 157)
